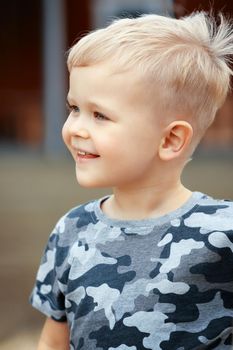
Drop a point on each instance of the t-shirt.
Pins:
(158, 283)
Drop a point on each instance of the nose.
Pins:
(78, 128)
(83, 133)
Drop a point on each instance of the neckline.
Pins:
(186, 207)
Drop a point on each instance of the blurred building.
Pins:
(34, 38)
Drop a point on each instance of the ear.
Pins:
(177, 137)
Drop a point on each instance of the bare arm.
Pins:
(54, 336)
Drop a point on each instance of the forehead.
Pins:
(101, 81)
(124, 93)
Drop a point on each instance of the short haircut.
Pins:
(186, 60)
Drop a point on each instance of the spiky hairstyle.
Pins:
(187, 60)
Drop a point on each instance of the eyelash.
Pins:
(101, 116)
(75, 109)
(72, 108)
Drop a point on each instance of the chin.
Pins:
(90, 183)
(92, 180)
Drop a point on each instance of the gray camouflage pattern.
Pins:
(163, 283)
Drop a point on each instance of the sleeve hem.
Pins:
(58, 316)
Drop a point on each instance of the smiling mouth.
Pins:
(86, 155)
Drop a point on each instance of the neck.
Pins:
(145, 202)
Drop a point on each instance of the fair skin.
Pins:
(54, 336)
(135, 149)
(112, 115)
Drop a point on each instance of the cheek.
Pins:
(65, 134)
(127, 143)
(107, 142)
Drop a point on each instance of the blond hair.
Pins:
(187, 60)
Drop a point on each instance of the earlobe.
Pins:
(177, 137)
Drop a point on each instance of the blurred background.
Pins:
(37, 175)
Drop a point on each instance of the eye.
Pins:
(100, 116)
(72, 108)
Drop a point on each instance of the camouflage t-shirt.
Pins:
(159, 283)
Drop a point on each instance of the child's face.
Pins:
(111, 116)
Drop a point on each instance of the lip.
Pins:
(85, 158)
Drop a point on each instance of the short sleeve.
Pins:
(48, 295)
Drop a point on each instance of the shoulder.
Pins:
(215, 206)
(211, 214)
(72, 222)
(81, 214)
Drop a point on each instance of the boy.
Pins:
(150, 266)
